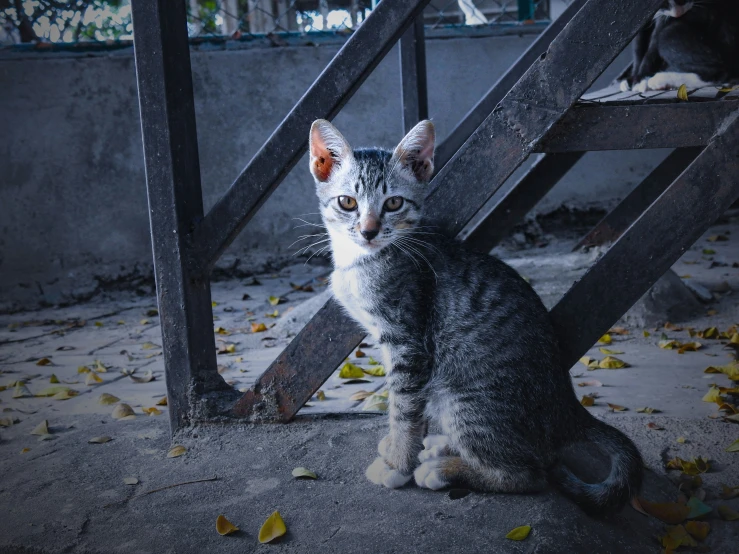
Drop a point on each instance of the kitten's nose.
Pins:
(369, 234)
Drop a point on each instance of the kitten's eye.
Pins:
(394, 203)
(347, 203)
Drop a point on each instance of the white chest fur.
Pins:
(348, 289)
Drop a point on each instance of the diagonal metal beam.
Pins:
(326, 96)
(487, 103)
(175, 200)
(538, 100)
(630, 208)
(520, 199)
(706, 189)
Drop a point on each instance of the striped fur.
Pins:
(467, 342)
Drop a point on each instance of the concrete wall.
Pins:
(73, 211)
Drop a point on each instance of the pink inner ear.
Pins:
(322, 161)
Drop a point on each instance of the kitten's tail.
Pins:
(623, 481)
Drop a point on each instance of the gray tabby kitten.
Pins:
(466, 341)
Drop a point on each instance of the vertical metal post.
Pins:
(175, 200)
(526, 9)
(414, 90)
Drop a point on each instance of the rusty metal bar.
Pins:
(630, 208)
(327, 95)
(643, 254)
(500, 144)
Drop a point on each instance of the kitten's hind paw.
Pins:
(382, 474)
(429, 475)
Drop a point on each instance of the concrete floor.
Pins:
(66, 495)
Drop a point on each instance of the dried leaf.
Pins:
(692, 467)
(646, 334)
(224, 527)
(351, 371)
(65, 394)
(733, 447)
(258, 327)
(727, 513)
(21, 391)
(698, 529)
(697, 508)
(176, 451)
(590, 384)
(44, 361)
(675, 537)
(23, 451)
(151, 411)
(107, 399)
(301, 472)
(53, 379)
(272, 529)
(587, 401)
(274, 314)
(83, 369)
(376, 371)
(617, 408)
(359, 354)
(731, 371)
(222, 331)
(519, 533)
(652, 425)
(100, 367)
(360, 395)
(275, 300)
(668, 512)
(372, 361)
(130, 481)
(41, 429)
(122, 410)
(145, 378)
(727, 493)
(375, 402)
(320, 395)
(680, 440)
(609, 351)
(149, 346)
(92, 379)
(51, 391)
(605, 339)
(609, 362)
(713, 395)
(647, 410)
(99, 440)
(6, 421)
(162, 401)
(682, 93)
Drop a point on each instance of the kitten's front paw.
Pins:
(383, 448)
(624, 86)
(429, 475)
(382, 474)
(641, 86)
(438, 451)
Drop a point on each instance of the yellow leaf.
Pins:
(646, 334)
(65, 394)
(224, 527)
(258, 327)
(351, 371)
(99, 440)
(587, 401)
(145, 378)
(176, 451)
(372, 361)
(25, 450)
(273, 315)
(320, 395)
(222, 331)
(299, 472)
(609, 362)
(108, 399)
(162, 401)
(677, 536)
(41, 429)
(149, 346)
(587, 360)
(83, 369)
(100, 367)
(668, 512)
(53, 379)
(519, 533)
(144, 322)
(360, 395)
(710, 333)
(376, 371)
(92, 379)
(98, 324)
(274, 300)
(617, 408)
(122, 410)
(682, 93)
(727, 513)
(713, 395)
(694, 467)
(698, 529)
(272, 529)
(728, 89)
(51, 391)
(21, 391)
(618, 331)
(151, 411)
(647, 410)
(44, 361)
(375, 403)
(681, 440)
(733, 447)
(605, 339)
(231, 348)
(6, 421)
(609, 351)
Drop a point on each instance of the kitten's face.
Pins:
(370, 199)
(676, 8)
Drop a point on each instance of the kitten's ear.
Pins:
(416, 151)
(328, 150)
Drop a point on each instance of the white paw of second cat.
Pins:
(624, 86)
(428, 475)
(382, 474)
(641, 86)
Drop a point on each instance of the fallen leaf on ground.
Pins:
(151, 411)
(680, 440)
(698, 529)
(65, 394)
(83, 369)
(668, 512)
(609, 362)
(519, 533)
(41, 429)
(731, 371)
(99, 440)
(360, 395)
(53, 379)
(44, 361)
(727, 493)
(272, 529)
(301, 472)
(100, 367)
(590, 384)
(92, 379)
(176, 451)
(609, 351)
(320, 395)
(713, 395)
(372, 361)
(590, 363)
(375, 402)
(727, 513)
(130, 481)
(646, 334)
(122, 410)
(149, 346)
(351, 371)
(6, 421)
(162, 401)
(652, 425)
(258, 327)
(222, 331)
(51, 391)
(21, 390)
(587, 400)
(675, 537)
(145, 378)
(647, 410)
(275, 300)
(618, 331)
(616, 407)
(376, 371)
(698, 508)
(733, 447)
(605, 339)
(23, 451)
(224, 527)
(695, 466)
(107, 399)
